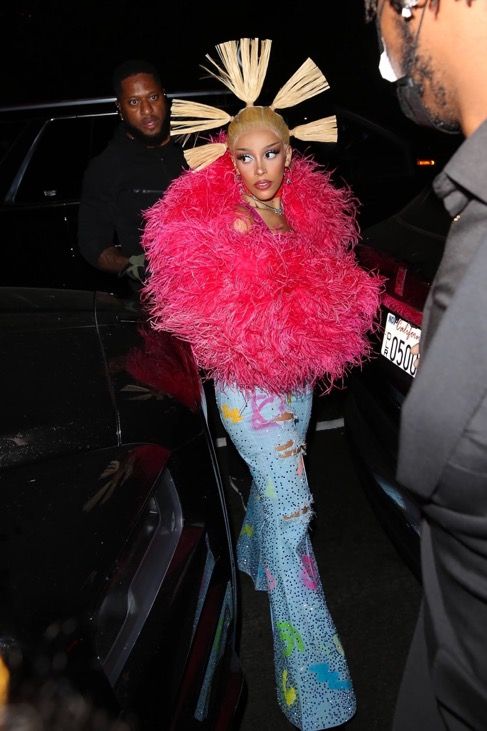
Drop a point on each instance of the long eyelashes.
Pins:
(269, 155)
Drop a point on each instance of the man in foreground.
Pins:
(130, 175)
(436, 50)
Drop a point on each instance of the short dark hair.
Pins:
(130, 68)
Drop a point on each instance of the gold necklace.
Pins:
(278, 209)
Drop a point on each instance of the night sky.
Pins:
(56, 49)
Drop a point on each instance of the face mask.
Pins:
(412, 106)
(385, 67)
(409, 93)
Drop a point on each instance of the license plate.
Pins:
(400, 343)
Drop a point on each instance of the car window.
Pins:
(9, 131)
(103, 127)
(58, 161)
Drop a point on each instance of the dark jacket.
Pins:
(443, 456)
(120, 183)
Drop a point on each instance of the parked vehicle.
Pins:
(406, 248)
(116, 544)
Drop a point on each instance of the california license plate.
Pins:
(400, 343)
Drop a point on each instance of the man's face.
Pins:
(144, 109)
(419, 56)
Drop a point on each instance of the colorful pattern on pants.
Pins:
(313, 682)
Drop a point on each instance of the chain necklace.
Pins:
(277, 209)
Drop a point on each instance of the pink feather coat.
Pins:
(260, 309)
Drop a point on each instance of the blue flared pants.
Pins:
(314, 688)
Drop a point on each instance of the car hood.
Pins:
(84, 371)
(56, 399)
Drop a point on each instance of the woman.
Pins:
(250, 260)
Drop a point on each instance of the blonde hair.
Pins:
(250, 118)
(244, 66)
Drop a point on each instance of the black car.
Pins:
(406, 249)
(116, 549)
(44, 151)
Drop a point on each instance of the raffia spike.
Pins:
(306, 82)
(188, 117)
(203, 155)
(244, 69)
(320, 130)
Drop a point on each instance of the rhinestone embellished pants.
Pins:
(313, 683)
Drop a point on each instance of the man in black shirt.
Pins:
(130, 175)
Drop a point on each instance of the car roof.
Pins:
(99, 104)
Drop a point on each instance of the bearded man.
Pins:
(436, 52)
(130, 175)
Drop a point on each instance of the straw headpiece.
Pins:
(243, 68)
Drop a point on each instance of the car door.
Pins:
(38, 218)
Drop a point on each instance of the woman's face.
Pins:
(260, 157)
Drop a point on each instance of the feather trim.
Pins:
(275, 311)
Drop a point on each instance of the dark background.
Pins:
(54, 50)
(60, 49)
